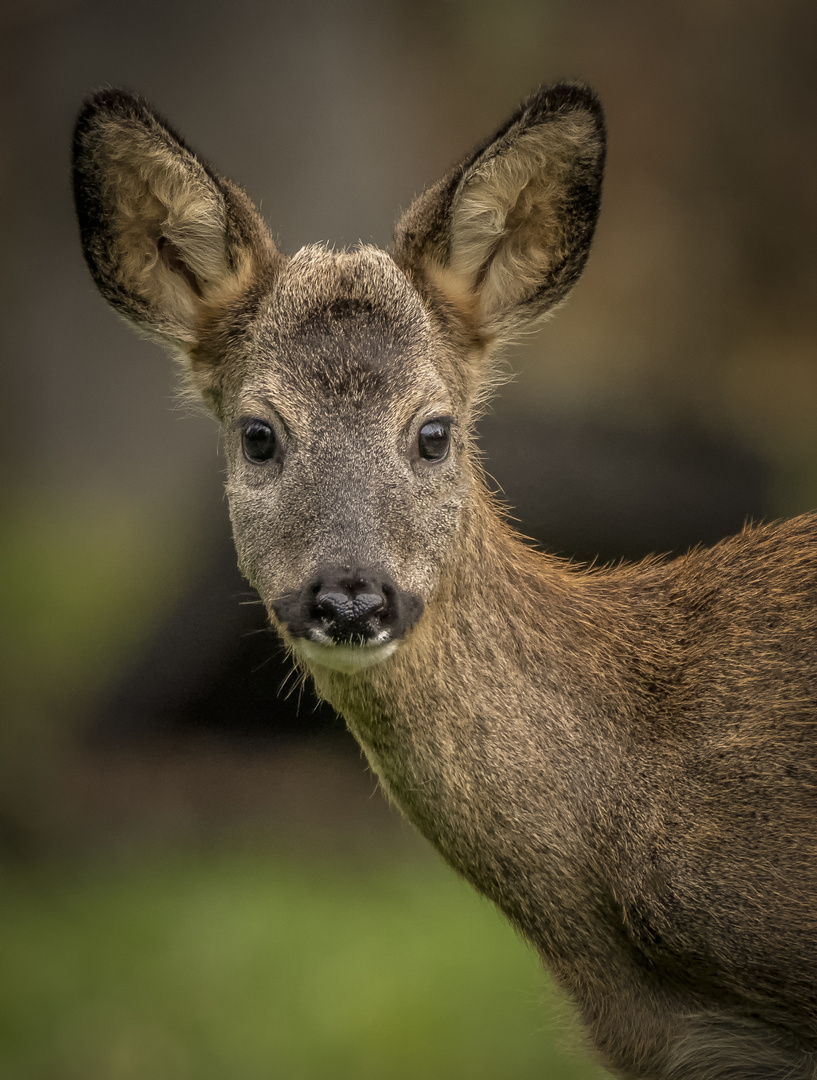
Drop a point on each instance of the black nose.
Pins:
(349, 605)
(347, 615)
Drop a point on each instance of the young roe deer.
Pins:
(624, 759)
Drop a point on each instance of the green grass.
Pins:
(250, 966)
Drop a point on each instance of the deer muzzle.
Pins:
(347, 617)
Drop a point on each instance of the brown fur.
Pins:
(623, 760)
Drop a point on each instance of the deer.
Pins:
(622, 758)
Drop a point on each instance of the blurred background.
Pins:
(198, 877)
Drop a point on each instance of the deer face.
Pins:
(347, 460)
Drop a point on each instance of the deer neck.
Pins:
(486, 727)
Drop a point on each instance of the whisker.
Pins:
(263, 664)
(282, 689)
(257, 630)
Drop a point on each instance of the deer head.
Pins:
(347, 383)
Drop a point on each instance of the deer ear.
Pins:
(167, 240)
(506, 233)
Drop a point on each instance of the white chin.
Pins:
(343, 657)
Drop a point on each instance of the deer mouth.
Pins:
(343, 656)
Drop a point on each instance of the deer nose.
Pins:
(348, 615)
(348, 605)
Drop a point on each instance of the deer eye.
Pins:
(434, 440)
(258, 441)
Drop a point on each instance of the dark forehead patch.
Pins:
(350, 348)
(346, 307)
(348, 322)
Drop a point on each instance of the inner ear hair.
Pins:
(512, 218)
(161, 192)
(165, 237)
(173, 259)
(504, 236)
